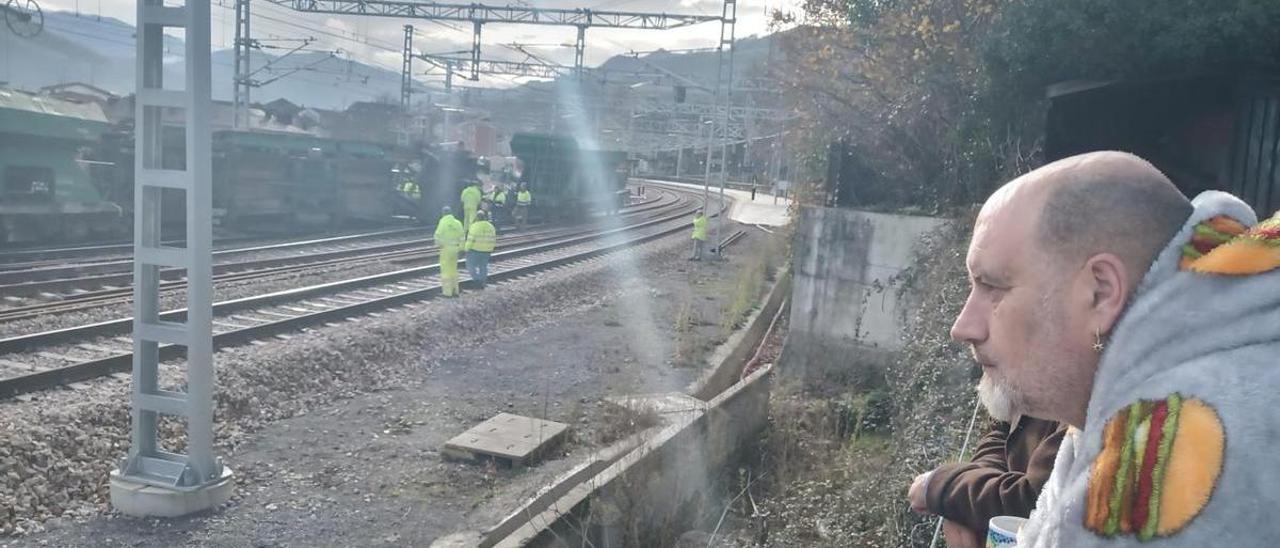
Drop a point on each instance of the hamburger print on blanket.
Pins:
(1179, 442)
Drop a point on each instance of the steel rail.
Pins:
(661, 226)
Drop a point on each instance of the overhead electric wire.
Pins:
(310, 28)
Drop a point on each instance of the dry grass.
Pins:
(748, 290)
(688, 343)
(826, 457)
(841, 456)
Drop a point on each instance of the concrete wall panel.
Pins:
(843, 308)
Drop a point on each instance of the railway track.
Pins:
(24, 278)
(28, 299)
(51, 358)
(36, 258)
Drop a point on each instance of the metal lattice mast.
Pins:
(406, 70)
(579, 50)
(476, 27)
(724, 79)
(151, 480)
(240, 81)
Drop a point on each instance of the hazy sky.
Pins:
(378, 40)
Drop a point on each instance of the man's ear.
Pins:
(1108, 282)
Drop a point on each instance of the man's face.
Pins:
(1018, 316)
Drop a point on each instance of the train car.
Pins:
(567, 181)
(287, 181)
(438, 176)
(268, 181)
(47, 192)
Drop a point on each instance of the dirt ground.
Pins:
(365, 469)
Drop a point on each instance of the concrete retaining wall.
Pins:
(843, 312)
(666, 486)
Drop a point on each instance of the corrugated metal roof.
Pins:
(19, 100)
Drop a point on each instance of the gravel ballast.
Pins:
(297, 416)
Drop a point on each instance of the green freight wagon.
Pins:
(46, 167)
(567, 181)
(289, 180)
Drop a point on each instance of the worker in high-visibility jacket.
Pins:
(410, 189)
(449, 239)
(498, 201)
(524, 199)
(482, 237)
(471, 197)
(699, 234)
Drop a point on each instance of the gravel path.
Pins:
(301, 420)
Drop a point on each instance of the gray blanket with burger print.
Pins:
(1182, 436)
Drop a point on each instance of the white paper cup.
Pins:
(1002, 531)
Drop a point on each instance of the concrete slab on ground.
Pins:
(513, 438)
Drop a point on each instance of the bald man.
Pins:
(1101, 298)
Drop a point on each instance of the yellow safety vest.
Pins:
(482, 237)
(524, 198)
(501, 198)
(409, 188)
(700, 228)
(449, 232)
(471, 196)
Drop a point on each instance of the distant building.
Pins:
(368, 121)
(281, 111)
(80, 92)
(483, 138)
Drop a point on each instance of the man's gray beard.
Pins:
(999, 399)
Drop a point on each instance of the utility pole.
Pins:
(151, 481)
(475, 50)
(579, 50)
(706, 176)
(240, 81)
(406, 85)
(406, 70)
(724, 77)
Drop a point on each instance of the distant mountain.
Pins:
(100, 52)
(73, 49)
(320, 80)
(749, 55)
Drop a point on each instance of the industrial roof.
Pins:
(21, 100)
(25, 114)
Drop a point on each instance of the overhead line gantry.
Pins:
(480, 14)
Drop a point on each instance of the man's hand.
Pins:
(916, 495)
(959, 536)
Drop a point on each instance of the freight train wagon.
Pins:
(296, 181)
(47, 168)
(440, 175)
(268, 181)
(568, 181)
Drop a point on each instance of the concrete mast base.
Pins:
(133, 498)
